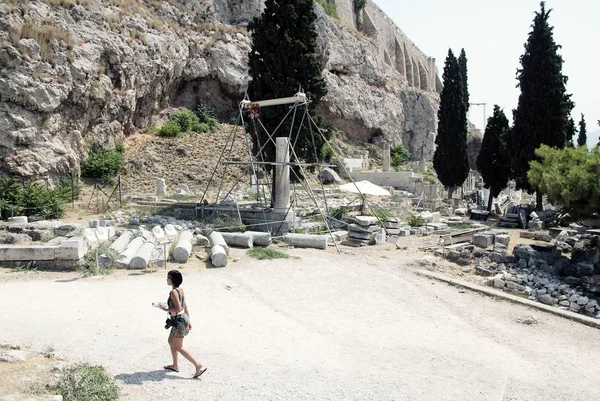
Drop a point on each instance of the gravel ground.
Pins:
(322, 326)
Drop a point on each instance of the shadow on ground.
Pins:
(142, 377)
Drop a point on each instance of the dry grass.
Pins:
(30, 377)
(113, 18)
(12, 6)
(70, 3)
(155, 23)
(47, 36)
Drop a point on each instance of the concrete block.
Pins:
(503, 239)
(18, 219)
(16, 253)
(340, 235)
(89, 236)
(483, 240)
(111, 231)
(158, 233)
(366, 220)
(101, 234)
(71, 249)
(93, 223)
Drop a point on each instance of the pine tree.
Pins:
(450, 158)
(493, 161)
(544, 107)
(283, 59)
(462, 62)
(582, 138)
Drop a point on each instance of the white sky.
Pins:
(493, 34)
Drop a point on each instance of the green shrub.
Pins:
(40, 201)
(170, 129)
(382, 213)
(187, 120)
(207, 116)
(10, 191)
(33, 199)
(399, 155)
(326, 153)
(68, 189)
(330, 8)
(119, 147)
(87, 382)
(89, 260)
(102, 164)
(203, 120)
(415, 221)
(267, 253)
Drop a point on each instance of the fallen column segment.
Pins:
(183, 248)
(307, 240)
(242, 240)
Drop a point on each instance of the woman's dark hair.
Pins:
(176, 277)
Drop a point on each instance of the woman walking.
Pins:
(179, 321)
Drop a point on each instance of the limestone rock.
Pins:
(116, 69)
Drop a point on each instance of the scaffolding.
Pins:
(249, 115)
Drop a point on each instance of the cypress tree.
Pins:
(571, 131)
(283, 59)
(544, 107)
(493, 161)
(450, 158)
(582, 138)
(462, 62)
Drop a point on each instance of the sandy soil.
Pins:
(322, 325)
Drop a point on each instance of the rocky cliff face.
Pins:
(75, 71)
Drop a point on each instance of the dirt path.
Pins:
(355, 326)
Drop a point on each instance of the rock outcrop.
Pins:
(77, 71)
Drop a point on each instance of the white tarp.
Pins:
(365, 187)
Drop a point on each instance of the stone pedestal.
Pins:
(282, 175)
(386, 157)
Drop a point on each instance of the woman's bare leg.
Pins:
(178, 346)
(172, 346)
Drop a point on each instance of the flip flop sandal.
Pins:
(198, 374)
(170, 368)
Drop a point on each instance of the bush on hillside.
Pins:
(399, 156)
(330, 8)
(187, 120)
(207, 116)
(170, 129)
(203, 120)
(102, 164)
(34, 199)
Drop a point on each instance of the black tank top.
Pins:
(181, 300)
